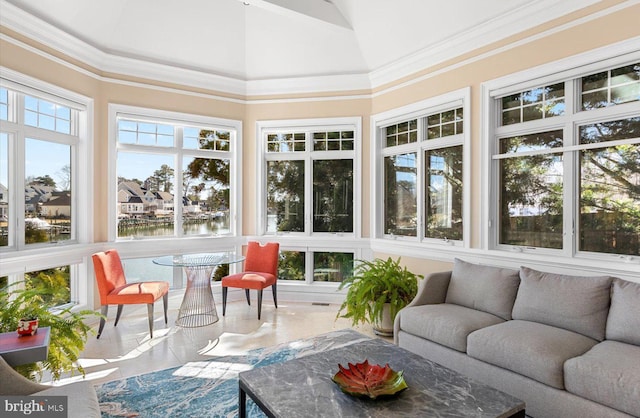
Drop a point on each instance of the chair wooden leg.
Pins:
(165, 302)
(118, 313)
(275, 295)
(246, 293)
(104, 310)
(115, 324)
(259, 302)
(150, 313)
(224, 300)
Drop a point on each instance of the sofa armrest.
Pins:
(432, 290)
(13, 383)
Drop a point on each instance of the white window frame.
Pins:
(174, 118)
(448, 101)
(347, 242)
(569, 69)
(17, 260)
(308, 125)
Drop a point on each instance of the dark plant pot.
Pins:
(27, 326)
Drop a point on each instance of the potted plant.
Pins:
(68, 333)
(376, 292)
(28, 324)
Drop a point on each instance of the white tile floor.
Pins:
(127, 350)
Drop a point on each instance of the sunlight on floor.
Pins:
(211, 369)
(127, 350)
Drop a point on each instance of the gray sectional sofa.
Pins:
(82, 400)
(568, 346)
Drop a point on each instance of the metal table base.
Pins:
(198, 307)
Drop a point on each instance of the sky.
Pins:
(42, 158)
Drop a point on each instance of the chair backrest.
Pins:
(262, 258)
(109, 272)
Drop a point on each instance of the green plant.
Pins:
(29, 316)
(68, 329)
(374, 284)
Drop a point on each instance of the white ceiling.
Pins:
(362, 41)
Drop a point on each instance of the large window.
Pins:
(421, 186)
(44, 186)
(309, 179)
(309, 187)
(175, 174)
(39, 142)
(567, 160)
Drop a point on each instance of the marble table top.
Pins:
(303, 387)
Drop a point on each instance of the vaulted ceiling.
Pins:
(365, 42)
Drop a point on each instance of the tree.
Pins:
(196, 189)
(161, 180)
(65, 177)
(443, 203)
(610, 189)
(214, 171)
(45, 180)
(333, 195)
(285, 194)
(124, 180)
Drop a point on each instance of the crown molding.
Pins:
(519, 19)
(19, 21)
(176, 75)
(40, 31)
(318, 84)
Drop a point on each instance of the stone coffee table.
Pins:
(303, 388)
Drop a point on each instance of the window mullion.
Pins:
(19, 177)
(308, 191)
(178, 189)
(421, 194)
(570, 186)
(308, 274)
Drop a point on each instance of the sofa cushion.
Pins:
(531, 349)
(609, 374)
(575, 303)
(445, 324)
(623, 323)
(485, 288)
(82, 399)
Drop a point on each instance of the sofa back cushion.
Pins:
(485, 288)
(576, 303)
(623, 323)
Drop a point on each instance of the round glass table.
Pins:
(198, 307)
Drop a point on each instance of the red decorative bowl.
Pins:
(371, 380)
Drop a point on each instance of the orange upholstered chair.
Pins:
(260, 271)
(114, 289)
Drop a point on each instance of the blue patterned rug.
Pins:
(205, 388)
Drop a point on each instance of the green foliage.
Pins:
(45, 180)
(34, 235)
(285, 194)
(375, 283)
(220, 271)
(68, 329)
(291, 265)
(56, 278)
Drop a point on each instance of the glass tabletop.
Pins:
(199, 260)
